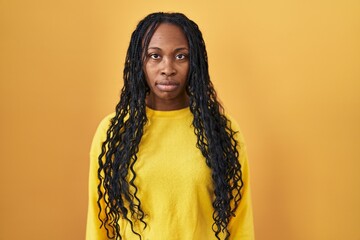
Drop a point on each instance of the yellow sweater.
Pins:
(174, 183)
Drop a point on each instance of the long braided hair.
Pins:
(215, 138)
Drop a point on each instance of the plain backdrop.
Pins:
(288, 71)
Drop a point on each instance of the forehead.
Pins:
(167, 34)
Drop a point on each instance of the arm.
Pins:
(241, 226)
(93, 231)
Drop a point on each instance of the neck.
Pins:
(167, 105)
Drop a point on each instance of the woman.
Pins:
(168, 164)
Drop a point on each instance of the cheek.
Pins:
(187, 68)
(186, 71)
(149, 71)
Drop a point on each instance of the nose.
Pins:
(168, 68)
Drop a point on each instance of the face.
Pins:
(166, 68)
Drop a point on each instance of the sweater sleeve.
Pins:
(93, 230)
(241, 226)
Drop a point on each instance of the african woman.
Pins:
(169, 163)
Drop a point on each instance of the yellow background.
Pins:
(288, 71)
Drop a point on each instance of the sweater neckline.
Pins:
(183, 112)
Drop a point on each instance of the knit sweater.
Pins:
(174, 183)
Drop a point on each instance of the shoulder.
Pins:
(233, 124)
(241, 145)
(105, 122)
(100, 133)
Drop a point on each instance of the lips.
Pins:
(167, 86)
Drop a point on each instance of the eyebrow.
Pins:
(176, 49)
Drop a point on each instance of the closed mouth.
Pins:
(167, 86)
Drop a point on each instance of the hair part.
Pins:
(215, 138)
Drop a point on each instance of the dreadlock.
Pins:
(215, 138)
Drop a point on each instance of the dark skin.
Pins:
(166, 68)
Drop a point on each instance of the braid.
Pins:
(215, 138)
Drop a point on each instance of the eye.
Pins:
(181, 56)
(154, 56)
